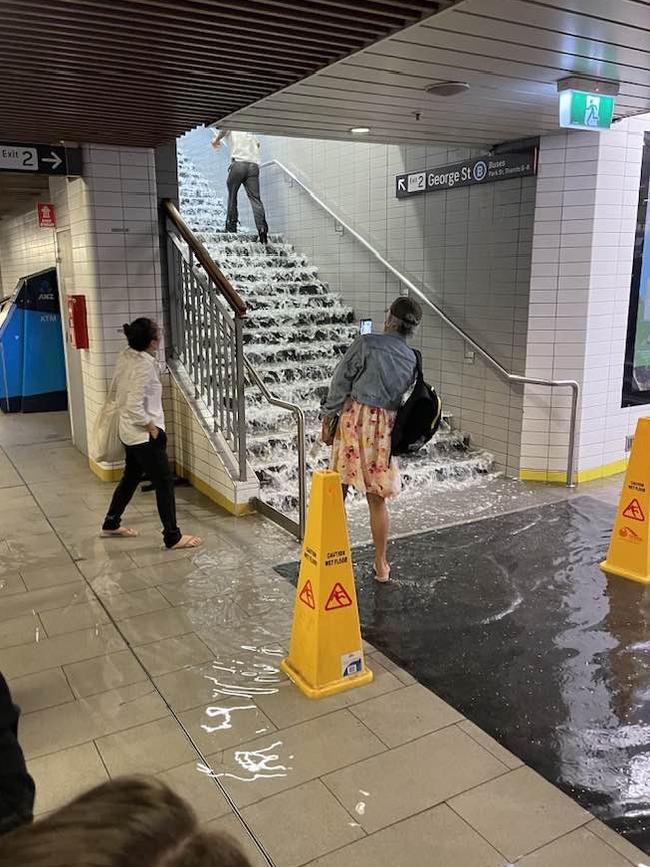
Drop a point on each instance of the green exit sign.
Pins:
(580, 109)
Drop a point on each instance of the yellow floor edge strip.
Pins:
(559, 476)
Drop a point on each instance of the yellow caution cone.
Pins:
(326, 653)
(629, 548)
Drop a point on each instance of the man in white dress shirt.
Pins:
(244, 169)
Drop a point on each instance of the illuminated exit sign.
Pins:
(587, 104)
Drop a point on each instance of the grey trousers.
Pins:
(247, 174)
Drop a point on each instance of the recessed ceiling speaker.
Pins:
(447, 88)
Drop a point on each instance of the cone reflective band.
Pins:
(326, 652)
(629, 547)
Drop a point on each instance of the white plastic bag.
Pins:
(105, 444)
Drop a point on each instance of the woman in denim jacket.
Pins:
(367, 389)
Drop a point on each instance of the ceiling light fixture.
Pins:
(447, 88)
(359, 130)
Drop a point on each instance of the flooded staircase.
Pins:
(296, 331)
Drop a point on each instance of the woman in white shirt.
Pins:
(142, 431)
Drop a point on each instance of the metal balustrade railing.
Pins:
(513, 378)
(205, 319)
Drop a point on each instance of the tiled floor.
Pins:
(127, 658)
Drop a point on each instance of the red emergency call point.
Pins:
(46, 215)
(77, 321)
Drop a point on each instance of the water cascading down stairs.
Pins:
(296, 331)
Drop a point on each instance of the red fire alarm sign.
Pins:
(46, 215)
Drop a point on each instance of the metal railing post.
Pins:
(241, 398)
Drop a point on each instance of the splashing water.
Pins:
(297, 331)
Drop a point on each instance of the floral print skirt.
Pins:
(361, 450)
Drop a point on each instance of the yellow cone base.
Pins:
(624, 573)
(333, 688)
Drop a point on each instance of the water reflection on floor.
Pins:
(511, 621)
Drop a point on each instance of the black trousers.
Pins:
(247, 174)
(151, 459)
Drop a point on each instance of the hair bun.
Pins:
(126, 328)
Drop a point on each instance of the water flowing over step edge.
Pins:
(296, 357)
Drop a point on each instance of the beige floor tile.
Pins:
(313, 824)
(200, 790)
(491, 745)
(116, 583)
(50, 576)
(436, 838)
(288, 706)
(188, 687)
(60, 650)
(156, 554)
(41, 690)
(519, 812)
(62, 776)
(403, 676)
(73, 617)
(10, 584)
(47, 599)
(224, 723)
(57, 728)
(618, 843)
(127, 605)
(414, 777)
(233, 828)
(172, 654)
(107, 564)
(104, 673)
(577, 848)
(146, 749)
(294, 756)
(21, 630)
(147, 628)
(405, 715)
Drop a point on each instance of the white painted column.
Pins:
(583, 243)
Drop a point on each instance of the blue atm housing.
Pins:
(32, 362)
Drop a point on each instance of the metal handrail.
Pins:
(485, 355)
(217, 276)
(299, 528)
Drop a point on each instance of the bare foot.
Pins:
(382, 575)
(121, 533)
(187, 542)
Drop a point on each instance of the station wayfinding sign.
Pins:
(40, 159)
(478, 170)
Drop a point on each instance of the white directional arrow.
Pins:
(401, 184)
(55, 159)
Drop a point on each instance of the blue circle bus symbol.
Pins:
(480, 171)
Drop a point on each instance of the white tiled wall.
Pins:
(24, 248)
(112, 216)
(195, 452)
(585, 222)
(469, 250)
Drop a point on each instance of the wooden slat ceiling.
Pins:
(510, 52)
(142, 72)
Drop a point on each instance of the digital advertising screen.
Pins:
(636, 378)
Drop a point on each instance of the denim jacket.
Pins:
(377, 370)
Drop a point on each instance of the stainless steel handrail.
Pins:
(485, 355)
(299, 528)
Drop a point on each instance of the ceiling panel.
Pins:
(512, 53)
(145, 71)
